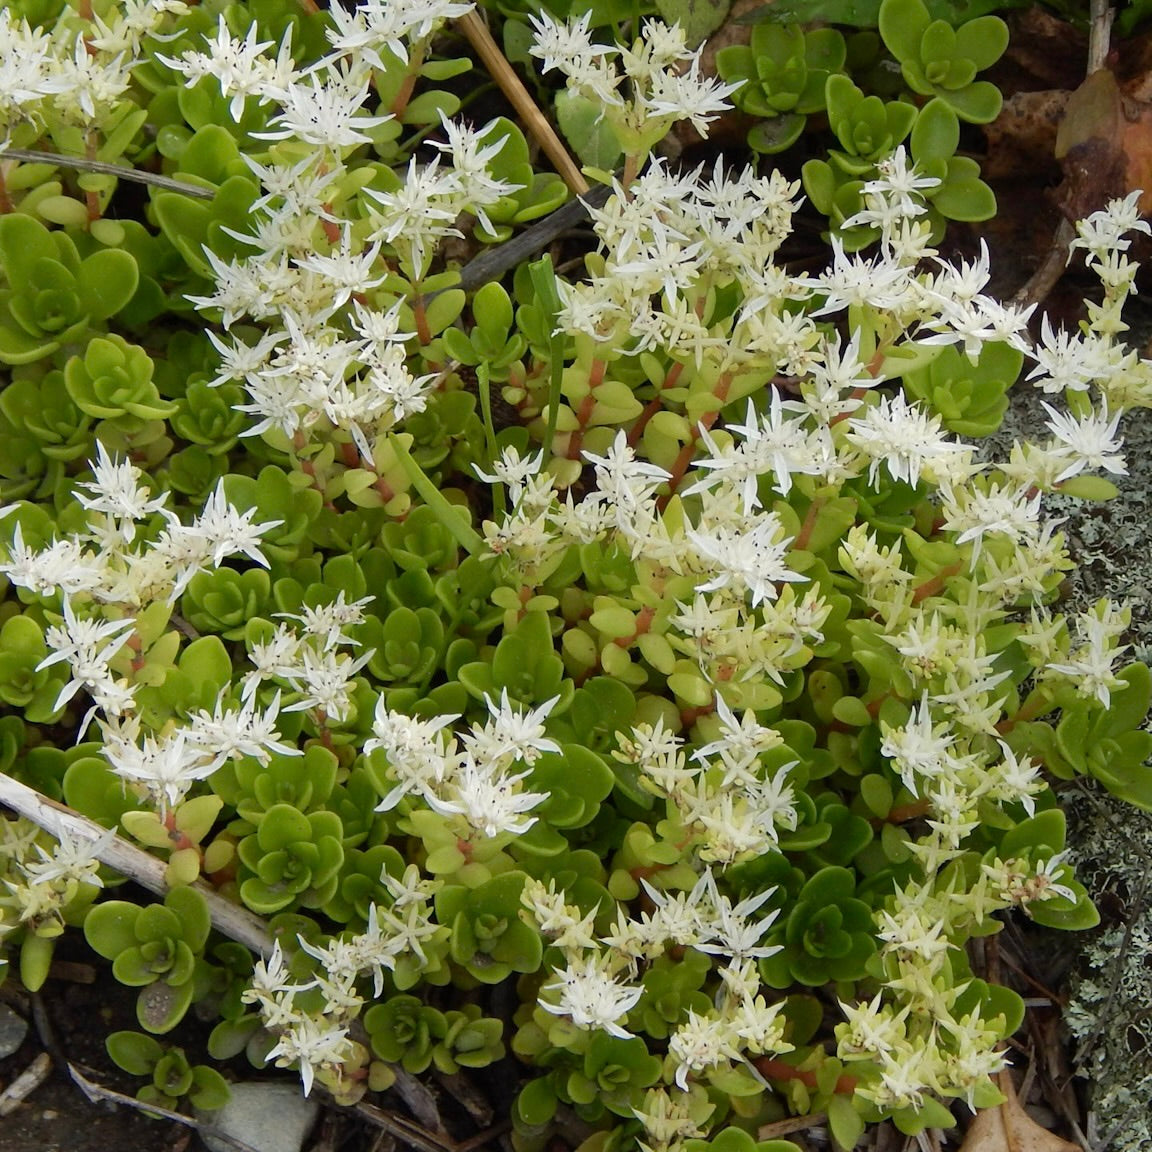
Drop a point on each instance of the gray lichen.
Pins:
(1110, 1011)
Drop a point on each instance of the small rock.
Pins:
(266, 1117)
(13, 1029)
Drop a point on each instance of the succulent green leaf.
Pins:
(902, 25)
(191, 909)
(978, 103)
(136, 1053)
(588, 131)
(698, 18)
(209, 1091)
(110, 927)
(36, 953)
(282, 826)
(161, 1006)
(107, 280)
(982, 41)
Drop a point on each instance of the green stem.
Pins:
(484, 387)
(462, 532)
(548, 297)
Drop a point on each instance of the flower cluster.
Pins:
(311, 1014)
(597, 987)
(725, 799)
(473, 780)
(669, 241)
(46, 879)
(663, 78)
(103, 563)
(78, 74)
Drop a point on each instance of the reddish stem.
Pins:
(423, 332)
(385, 489)
(805, 534)
(906, 812)
(330, 228)
(857, 394)
(654, 405)
(587, 408)
(680, 464)
(773, 1069)
(400, 104)
(1036, 705)
(935, 584)
(643, 622)
(689, 716)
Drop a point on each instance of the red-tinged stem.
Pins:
(935, 584)
(906, 812)
(810, 517)
(1037, 704)
(654, 405)
(644, 620)
(680, 464)
(857, 394)
(400, 104)
(6, 204)
(689, 716)
(330, 228)
(587, 408)
(631, 168)
(772, 1069)
(322, 731)
(423, 332)
(309, 470)
(179, 839)
(386, 491)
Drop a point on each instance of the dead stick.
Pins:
(82, 164)
(485, 1137)
(230, 919)
(25, 1084)
(535, 121)
(791, 1124)
(416, 1136)
(96, 1092)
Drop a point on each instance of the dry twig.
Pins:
(474, 28)
(95, 1092)
(120, 171)
(25, 1084)
(230, 919)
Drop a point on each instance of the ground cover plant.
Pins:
(628, 678)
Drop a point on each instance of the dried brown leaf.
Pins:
(1008, 1128)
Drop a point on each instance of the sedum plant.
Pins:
(666, 744)
(786, 72)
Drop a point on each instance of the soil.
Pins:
(58, 1117)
